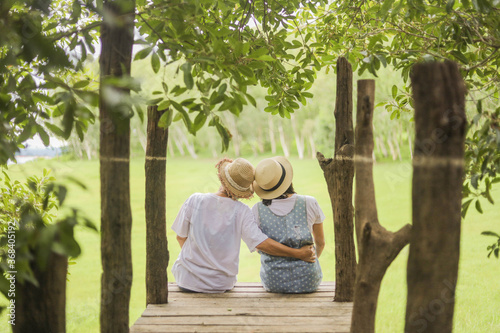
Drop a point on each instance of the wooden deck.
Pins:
(247, 308)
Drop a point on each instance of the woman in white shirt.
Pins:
(291, 219)
(210, 227)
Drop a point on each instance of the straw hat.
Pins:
(236, 177)
(273, 176)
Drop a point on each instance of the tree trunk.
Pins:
(438, 169)
(42, 309)
(272, 139)
(409, 144)
(299, 140)
(284, 146)
(377, 247)
(157, 255)
(339, 175)
(117, 39)
(177, 140)
(313, 146)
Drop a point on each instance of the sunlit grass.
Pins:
(478, 293)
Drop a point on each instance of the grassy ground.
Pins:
(478, 293)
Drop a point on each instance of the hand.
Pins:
(307, 253)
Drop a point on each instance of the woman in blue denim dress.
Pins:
(290, 219)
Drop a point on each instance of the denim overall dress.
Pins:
(285, 274)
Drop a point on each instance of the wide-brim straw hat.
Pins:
(236, 177)
(273, 176)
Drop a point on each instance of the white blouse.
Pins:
(282, 207)
(214, 227)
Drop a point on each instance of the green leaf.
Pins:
(166, 119)
(394, 91)
(188, 77)
(465, 207)
(479, 106)
(81, 84)
(266, 57)
(155, 62)
(449, 6)
(460, 56)
(43, 135)
(54, 129)
(385, 8)
(258, 53)
(251, 100)
(143, 53)
(490, 233)
(199, 121)
(478, 206)
(155, 101)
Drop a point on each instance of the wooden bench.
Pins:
(247, 308)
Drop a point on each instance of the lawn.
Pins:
(478, 292)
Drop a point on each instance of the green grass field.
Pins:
(478, 292)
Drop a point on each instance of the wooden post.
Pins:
(377, 247)
(117, 40)
(157, 255)
(339, 175)
(42, 308)
(438, 169)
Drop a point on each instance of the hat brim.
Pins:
(287, 181)
(227, 186)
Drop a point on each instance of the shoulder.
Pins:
(241, 206)
(310, 200)
(196, 197)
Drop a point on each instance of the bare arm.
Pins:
(181, 240)
(274, 248)
(319, 238)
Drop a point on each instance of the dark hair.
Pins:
(290, 190)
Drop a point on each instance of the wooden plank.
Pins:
(246, 311)
(263, 303)
(247, 308)
(340, 328)
(239, 320)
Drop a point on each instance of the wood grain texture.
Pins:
(117, 40)
(339, 176)
(438, 170)
(377, 247)
(157, 255)
(247, 308)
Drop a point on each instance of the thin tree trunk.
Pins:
(117, 39)
(391, 148)
(396, 143)
(377, 247)
(157, 255)
(313, 146)
(438, 169)
(299, 140)
(272, 139)
(339, 176)
(42, 309)
(380, 144)
(284, 146)
(178, 143)
(409, 144)
(260, 141)
(171, 150)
